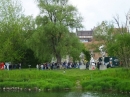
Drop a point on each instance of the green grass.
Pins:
(114, 79)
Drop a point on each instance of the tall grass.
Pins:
(33, 78)
(112, 79)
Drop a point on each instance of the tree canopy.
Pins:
(103, 31)
(11, 31)
(120, 47)
(15, 28)
(52, 37)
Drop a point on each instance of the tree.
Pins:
(52, 37)
(103, 31)
(74, 47)
(13, 31)
(87, 54)
(120, 47)
(121, 28)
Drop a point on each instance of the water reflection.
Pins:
(60, 94)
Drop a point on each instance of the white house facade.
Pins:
(85, 36)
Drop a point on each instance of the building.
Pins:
(85, 36)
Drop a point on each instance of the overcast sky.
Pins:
(92, 11)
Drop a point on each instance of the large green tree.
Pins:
(14, 29)
(120, 47)
(52, 37)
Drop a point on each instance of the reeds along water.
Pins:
(112, 79)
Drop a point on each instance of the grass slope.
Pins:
(114, 79)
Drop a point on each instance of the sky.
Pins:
(92, 11)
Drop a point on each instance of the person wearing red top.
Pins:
(2, 66)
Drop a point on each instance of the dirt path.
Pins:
(78, 85)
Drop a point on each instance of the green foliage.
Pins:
(15, 29)
(87, 54)
(120, 47)
(35, 78)
(113, 79)
(10, 29)
(108, 80)
(103, 31)
(74, 47)
(52, 37)
(29, 59)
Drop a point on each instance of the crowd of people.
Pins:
(8, 66)
(53, 65)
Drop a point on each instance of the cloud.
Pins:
(92, 11)
(30, 7)
(96, 11)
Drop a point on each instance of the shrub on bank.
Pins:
(108, 84)
(112, 79)
(30, 79)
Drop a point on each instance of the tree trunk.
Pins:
(58, 57)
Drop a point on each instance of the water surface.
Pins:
(60, 94)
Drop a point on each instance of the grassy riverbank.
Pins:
(114, 79)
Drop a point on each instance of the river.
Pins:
(61, 94)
